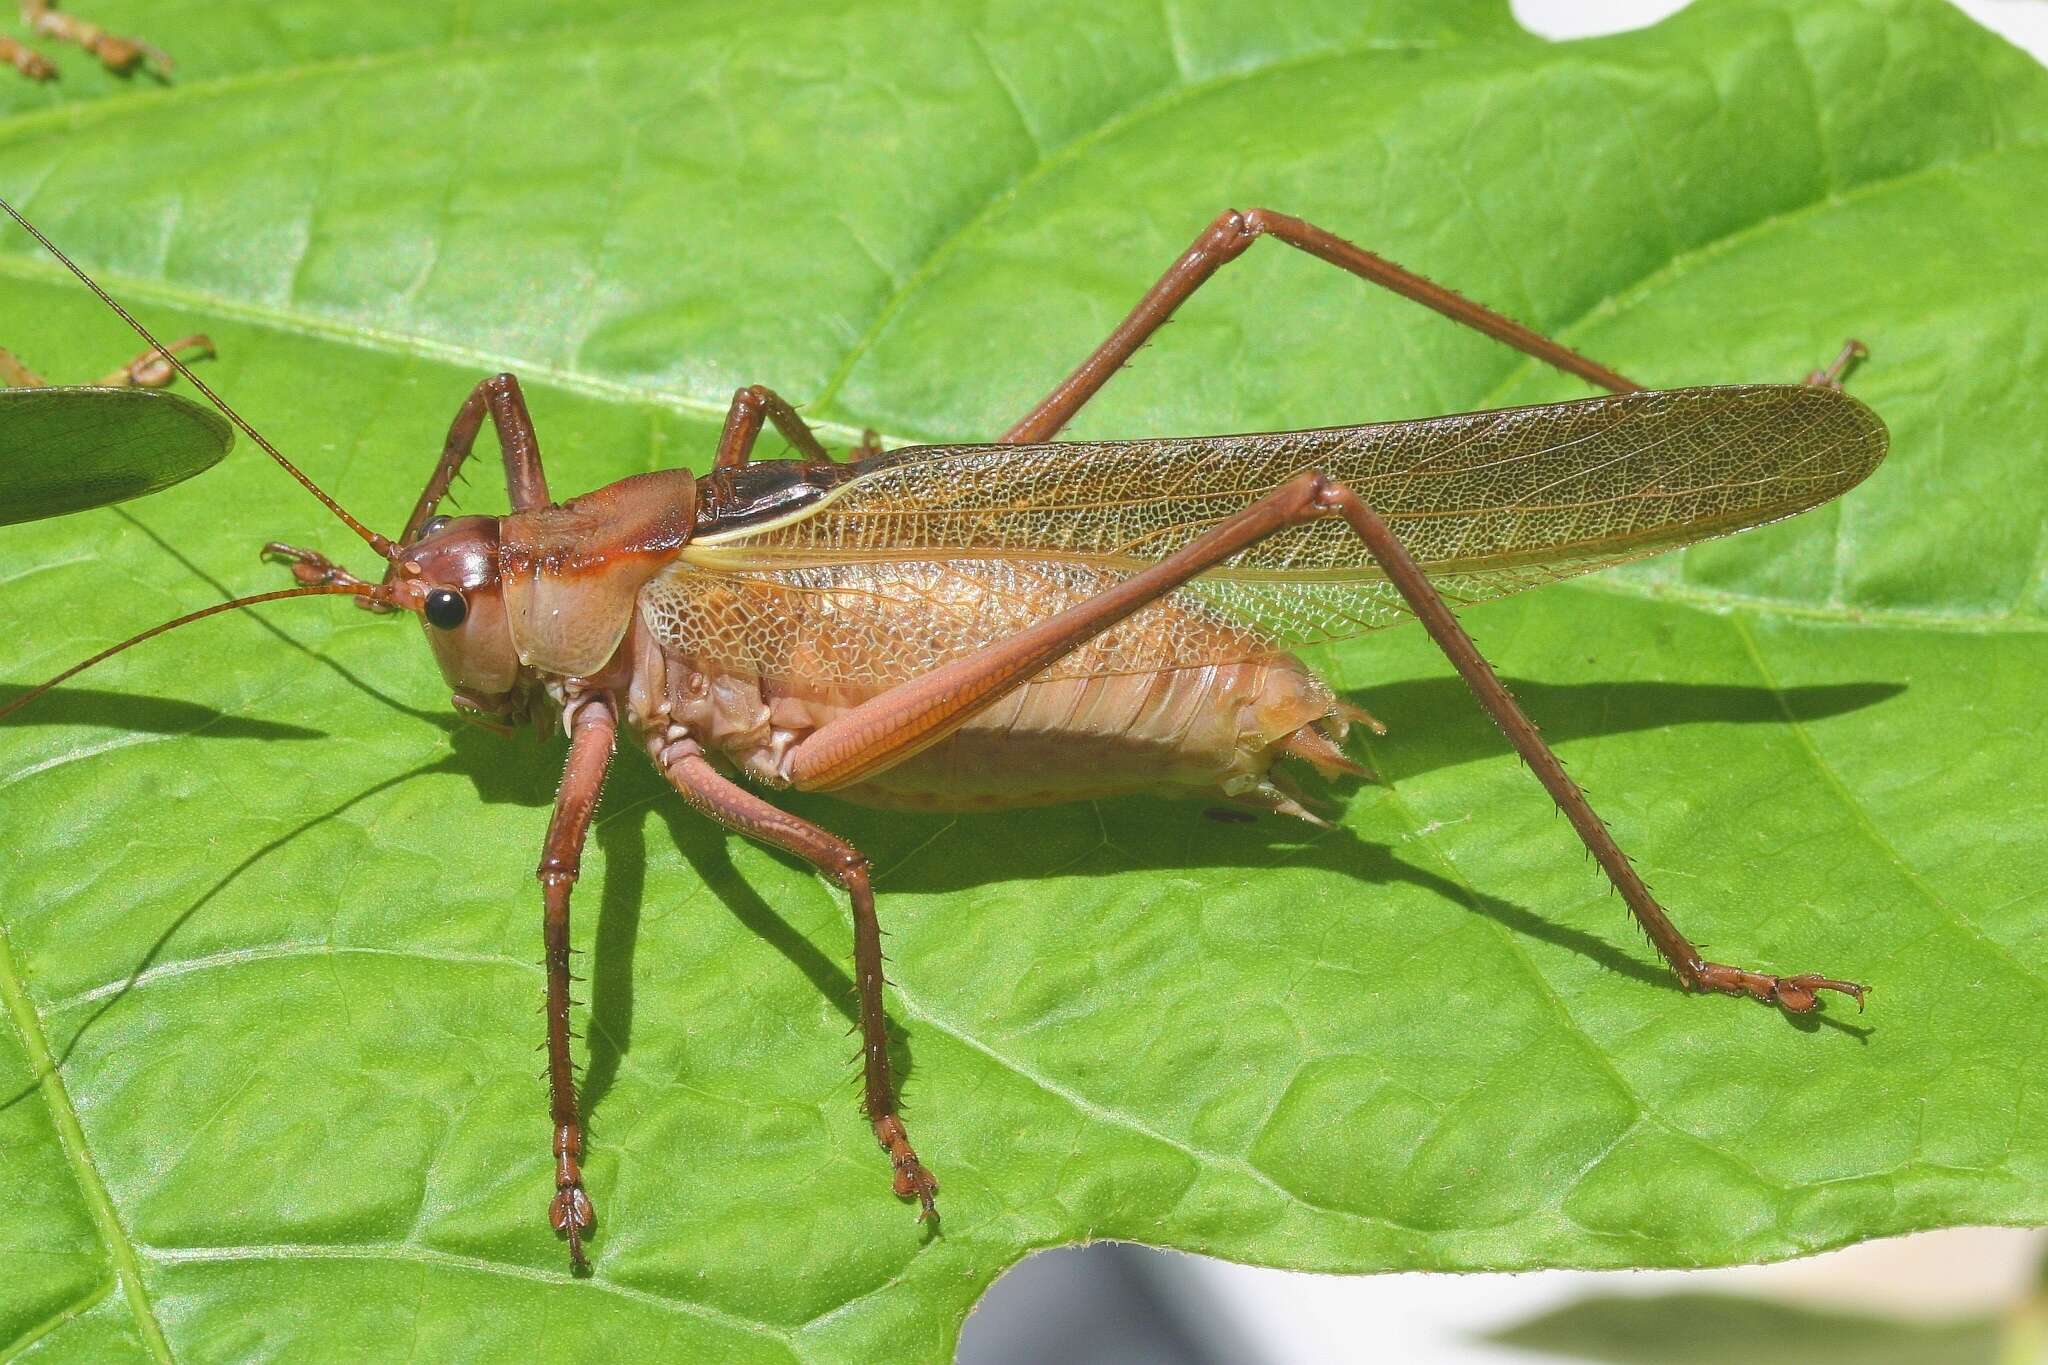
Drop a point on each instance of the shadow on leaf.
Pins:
(1448, 730)
(621, 832)
(1434, 723)
(146, 715)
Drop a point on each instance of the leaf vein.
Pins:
(1069, 151)
(1090, 1109)
(28, 1025)
(1865, 821)
(427, 1256)
(1613, 303)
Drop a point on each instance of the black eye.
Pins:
(433, 524)
(446, 609)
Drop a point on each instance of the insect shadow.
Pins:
(1433, 727)
(637, 801)
(144, 715)
(1434, 724)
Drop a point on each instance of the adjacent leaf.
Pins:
(67, 449)
(268, 909)
(1700, 1329)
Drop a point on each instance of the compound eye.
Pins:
(433, 524)
(445, 609)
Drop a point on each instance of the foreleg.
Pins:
(593, 726)
(526, 483)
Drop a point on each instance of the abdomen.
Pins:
(1209, 732)
(1210, 729)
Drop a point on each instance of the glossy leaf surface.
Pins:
(268, 907)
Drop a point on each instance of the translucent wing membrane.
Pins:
(932, 551)
(870, 623)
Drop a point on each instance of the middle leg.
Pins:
(753, 406)
(739, 809)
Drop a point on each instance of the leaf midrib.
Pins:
(1719, 602)
(69, 118)
(99, 1204)
(384, 341)
(405, 1251)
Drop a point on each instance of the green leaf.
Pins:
(1702, 1329)
(268, 909)
(68, 449)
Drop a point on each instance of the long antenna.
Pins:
(383, 545)
(318, 590)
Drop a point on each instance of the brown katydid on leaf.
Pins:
(1032, 622)
(1349, 1052)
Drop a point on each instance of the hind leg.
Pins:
(886, 729)
(1231, 234)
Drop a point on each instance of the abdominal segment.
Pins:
(1209, 732)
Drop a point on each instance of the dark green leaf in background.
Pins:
(1705, 1329)
(68, 449)
(271, 910)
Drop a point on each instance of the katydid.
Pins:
(1030, 620)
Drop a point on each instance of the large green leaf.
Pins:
(268, 909)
